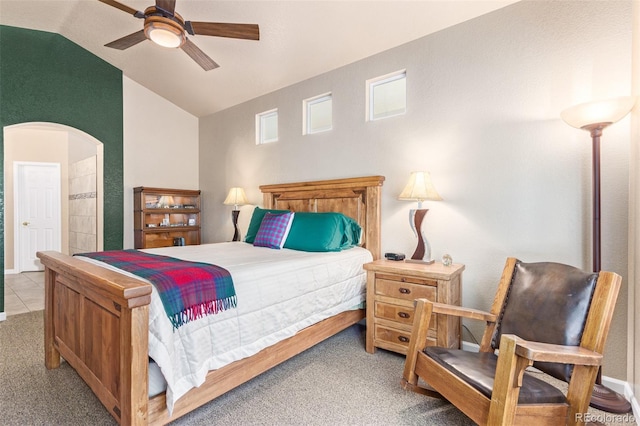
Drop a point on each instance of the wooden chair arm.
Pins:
(459, 311)
(517, 354)
(546, 352)
(424, 308)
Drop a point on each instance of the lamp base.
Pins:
(423, 250)
(608, 400)
(234, 219)
(424, 262)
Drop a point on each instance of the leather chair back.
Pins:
(556, 299)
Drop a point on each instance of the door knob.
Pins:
(25, 223)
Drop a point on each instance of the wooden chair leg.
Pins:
(418, 341)
(507, 383)
(579, 393)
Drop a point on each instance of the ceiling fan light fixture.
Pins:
(165, 32)
(165, 27)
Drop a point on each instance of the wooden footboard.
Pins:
(98, 320)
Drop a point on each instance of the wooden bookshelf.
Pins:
(163, 216)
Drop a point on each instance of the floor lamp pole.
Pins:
(595, 137)
(602, 397)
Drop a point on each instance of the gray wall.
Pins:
(483, 106)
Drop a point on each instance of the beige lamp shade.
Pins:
(419, 188)
(236, 197)
(602, 113)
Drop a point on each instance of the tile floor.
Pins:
(23, 292)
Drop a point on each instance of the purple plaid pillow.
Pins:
(273, 230)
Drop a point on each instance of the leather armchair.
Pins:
(551, 316)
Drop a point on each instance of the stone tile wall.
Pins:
(82, 206)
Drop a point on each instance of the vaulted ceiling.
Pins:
(299, 39)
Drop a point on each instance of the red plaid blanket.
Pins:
(188, 290)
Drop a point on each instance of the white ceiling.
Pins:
(299, 39)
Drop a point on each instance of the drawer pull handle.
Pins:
(404, 315)
(403, 339)
(404, 290)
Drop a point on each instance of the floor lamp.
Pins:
(235, 198)
(594, 117)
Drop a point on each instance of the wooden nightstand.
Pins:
(391, 289)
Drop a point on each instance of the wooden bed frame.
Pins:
(98, 319)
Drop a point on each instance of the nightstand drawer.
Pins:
(399, 314)
(395, 337)
(405, 290)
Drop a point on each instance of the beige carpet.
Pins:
(335, 383)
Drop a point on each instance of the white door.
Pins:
(37, 200)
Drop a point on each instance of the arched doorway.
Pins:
(80, 157)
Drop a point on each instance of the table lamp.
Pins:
(419, 188)
(235, 198)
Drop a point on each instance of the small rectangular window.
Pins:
(387, 95)
(267, 127)
(317, 114)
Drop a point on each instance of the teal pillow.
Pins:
(256, 220)
(322, 232)
(353, 231)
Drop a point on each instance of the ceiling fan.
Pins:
(165, 27)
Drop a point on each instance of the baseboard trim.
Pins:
(635, 406)
(616, 385)
(11, 271)
(471, 347)
(3, 316)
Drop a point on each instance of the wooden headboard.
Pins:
(358, 198)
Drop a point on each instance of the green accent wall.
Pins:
(46, 78)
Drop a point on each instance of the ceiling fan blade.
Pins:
(128, 41)
(199, 56)
(218, 29)
(168, 6)
(124, 8)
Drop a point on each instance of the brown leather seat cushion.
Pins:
(479, 369)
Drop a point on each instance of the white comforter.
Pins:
(279, 293)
